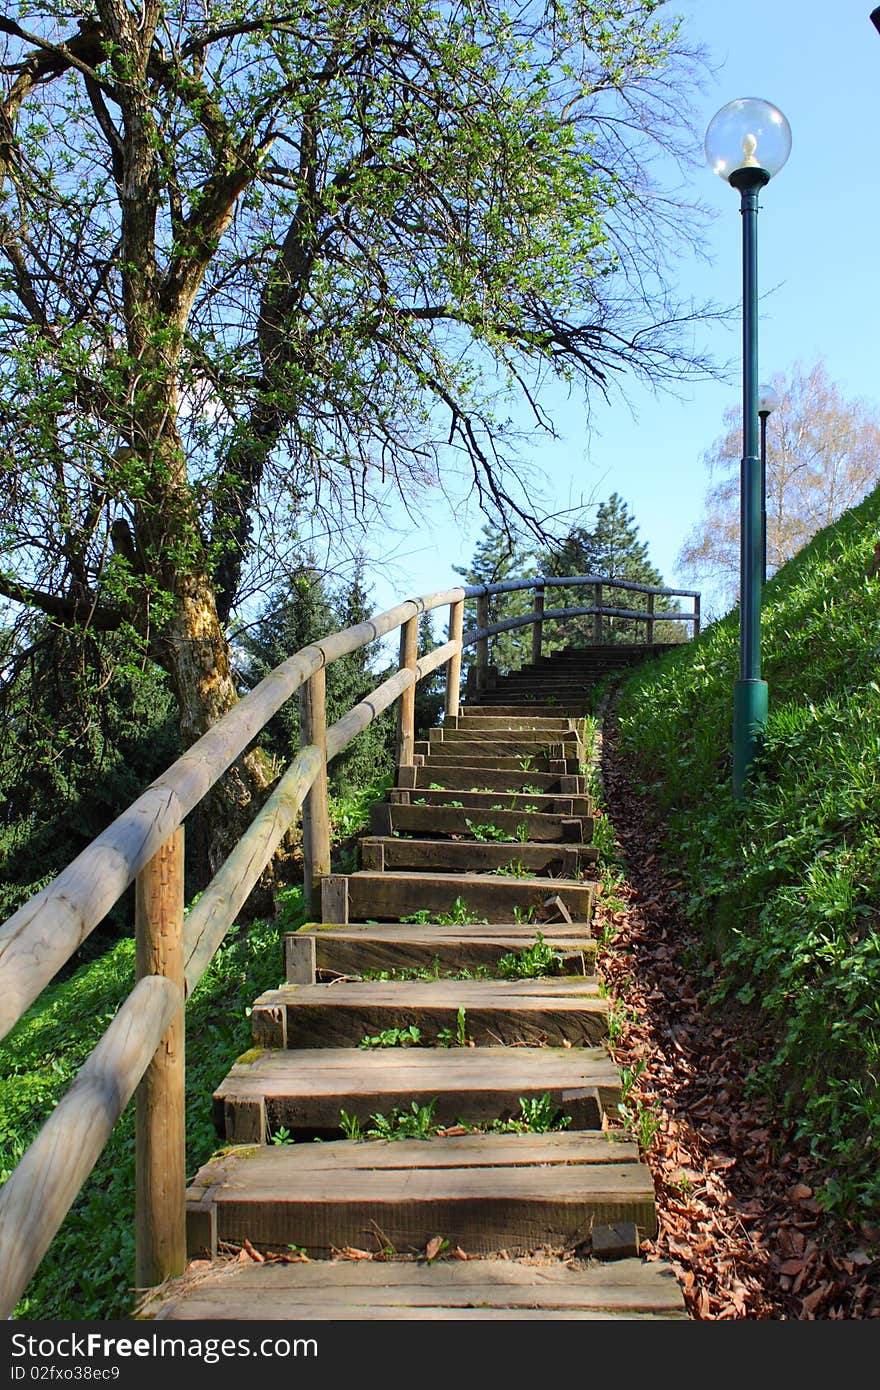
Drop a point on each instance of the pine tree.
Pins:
(499, 556)
(613, 549)
(311, 608)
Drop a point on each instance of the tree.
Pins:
(823, 456)
(309, 608)
(611, 548)
(75, 752)
(500, 554)
(262, 264)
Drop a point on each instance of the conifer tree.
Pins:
(611, 548)
(499, 555)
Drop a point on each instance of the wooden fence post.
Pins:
(406, 725)
(315, 811)
(697, 616)
(597, 617)
(453, 670)
(649, 626)
(483, 643)
(538, 626)
(160, 1138)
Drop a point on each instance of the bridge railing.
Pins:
(143, 1048)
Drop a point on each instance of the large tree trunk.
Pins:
(196, 655)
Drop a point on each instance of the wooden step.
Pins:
(386, 818)
(369, 896)
(453, 759)
(517, 716)
(553, 803)
(356, 948)
(482, 1192)
(518, 740)
(486, 779)
(395, 1289)
(384, 853)
(565, 1009)
(304, 1091)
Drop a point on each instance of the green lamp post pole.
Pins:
(747, 142)
(767, 403)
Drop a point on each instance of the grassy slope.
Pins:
(787, 887)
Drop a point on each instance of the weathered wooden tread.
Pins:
(386, 852)
(475, 1288)
(358, 947)
(490, 897)
(508, 1012)
(569, 715)
(507, 718)
(423, 821)
(452, 760)
(542, 803)
(304, 1090)
(519, 740)
(484, 1192)
(462, 777)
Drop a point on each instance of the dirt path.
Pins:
(738, 1217)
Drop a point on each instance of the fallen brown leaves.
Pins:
(738, 1219)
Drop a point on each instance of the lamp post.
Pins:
(747, 142)
(767, 403)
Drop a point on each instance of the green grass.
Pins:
(785, 887)
(88, 1271)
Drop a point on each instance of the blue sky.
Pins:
(818, 265)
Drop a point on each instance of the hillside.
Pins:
(784, 890)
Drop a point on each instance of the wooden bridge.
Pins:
(481, 853)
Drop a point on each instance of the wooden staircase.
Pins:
(521, 1224)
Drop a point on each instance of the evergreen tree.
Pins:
(611, 548)
(84, 733)
(500, 555)
(310, 608)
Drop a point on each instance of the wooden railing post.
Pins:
(453, 670)
(597, 617)
(315, 811)
(649, 626)
(160, 1143)
(483, 642)
(697, 616)
(538, 628)
(406, 725)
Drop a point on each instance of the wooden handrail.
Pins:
(38, 1194)
(38, 939)
(42, 935)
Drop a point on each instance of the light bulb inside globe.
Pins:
(748, 133)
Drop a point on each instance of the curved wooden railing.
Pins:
(143, 1048)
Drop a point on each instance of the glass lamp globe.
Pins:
(748, 134)
(768, 401)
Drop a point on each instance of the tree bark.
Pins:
(196, 655)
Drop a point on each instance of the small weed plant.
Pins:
(531, 962)
(393, 1037)
(457, 1036)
